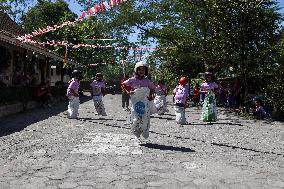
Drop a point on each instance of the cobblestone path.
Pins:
(42, 149)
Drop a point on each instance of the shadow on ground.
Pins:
(17, 122)
(165, 147)
(215, 123)
(182, 149)
(93, 119)
(160, 117)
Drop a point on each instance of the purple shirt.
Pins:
(161, 90)
(135, 83)
(260, 110)
(181, 94)
(74, 84)
(209, 86)
(97, 87)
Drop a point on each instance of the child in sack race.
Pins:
(141, 93)
(209, 88)
(73, 96)
(98, 92)
(160, 100)
(180, 101)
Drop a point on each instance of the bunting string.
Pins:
(75, 46)
(97, 8)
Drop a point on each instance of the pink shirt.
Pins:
(209, 86)
(181, 94)
(97, 87)
(74, 84)
(135, 83)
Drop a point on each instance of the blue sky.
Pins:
(75, 7)
(281, 2)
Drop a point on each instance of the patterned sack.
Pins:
(180, 115)
(140, 112)
(209, 113)
(160, 104)
(152, 107)
(73, 107)
(99, 105)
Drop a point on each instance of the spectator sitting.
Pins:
(43, 94)
(258, 111)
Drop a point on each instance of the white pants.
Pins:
(180, 115)
(73, 107)
(99, 105)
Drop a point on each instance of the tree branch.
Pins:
(155, 35)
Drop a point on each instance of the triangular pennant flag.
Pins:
(91, 11)
(102, 6)
(83, 15)
(97, 8)
(105, 5)
(113, 2)
(110, 3)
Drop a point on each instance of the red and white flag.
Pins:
(97, 8)
(91, 11)
(112, 3)
(83, 15)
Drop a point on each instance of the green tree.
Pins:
(234, 38)
(275, 86)
(15, 8)
(47, 13)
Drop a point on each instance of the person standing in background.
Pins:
(125, 96)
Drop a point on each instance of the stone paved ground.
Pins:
(42, 149)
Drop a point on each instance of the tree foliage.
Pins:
(46, 13)
(16, 8)
(232, 38)
(275, 86)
